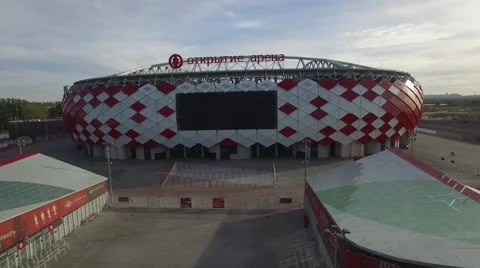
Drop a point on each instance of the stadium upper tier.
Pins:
(248, 102)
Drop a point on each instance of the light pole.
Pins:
(21, 144)
(413, 138)
(336, 233)
(305, 160)
(107, 147)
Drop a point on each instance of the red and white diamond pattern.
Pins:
(325, 111)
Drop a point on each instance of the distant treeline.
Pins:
(18, 109)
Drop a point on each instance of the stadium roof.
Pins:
(31, 180)
(399, 207)
(292, 66)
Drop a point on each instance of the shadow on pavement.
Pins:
(264, 241)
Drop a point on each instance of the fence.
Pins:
(187, 202)
(194, 175)
(447, 162)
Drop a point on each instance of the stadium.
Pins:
(239, 107)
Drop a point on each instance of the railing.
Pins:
(447, 161)
(202, 202)
(193, 175)
(45, 257)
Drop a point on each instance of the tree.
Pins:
(17, 109)
(55, 111)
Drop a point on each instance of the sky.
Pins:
(47, 44)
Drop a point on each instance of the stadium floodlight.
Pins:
(109, 163)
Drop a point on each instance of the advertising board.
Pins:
(27, 224)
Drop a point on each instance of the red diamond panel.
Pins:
(382, 138)
(287, 131)
(318, 114)
(228, 143)
(318, 102)
(166, 88)
(96, 123)
(365, 139)
(94, 102)
(151, 144)
(96, 91)
(368, 129)
(130, 89)
(384, 128)
(327, 131)
(134, 144)
(387, 117)
(327, 83)
(370, 118)
(348, 129)
(327, 141)
(112, 123)
(168, 133)
(139, 118)
(348, 83)
(166, 111)
(98, 133)
(287, 108)
(83, 123)
(112, 90)
(368, 83)
(385, 84)
(349, 118)
(399, 84)
(114, 134)
(349, 95)
(110, 102)
(132, 134)
(137, 106)
(287, 84)
(370, 95)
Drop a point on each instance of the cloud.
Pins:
(250, 24)
(58, 42)
(230, 14)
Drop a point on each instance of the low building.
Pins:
(42, 200)
(37, 129)
(388, 210)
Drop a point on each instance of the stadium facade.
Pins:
(238, 107)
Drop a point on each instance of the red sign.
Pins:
(218, 202)
(176, 61)
(345, 257)
(17, 229)
(21, 245)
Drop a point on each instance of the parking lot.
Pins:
(191, 238)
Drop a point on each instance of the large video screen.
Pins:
(227, 110)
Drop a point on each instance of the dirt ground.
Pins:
(466, 155)
(193, 238)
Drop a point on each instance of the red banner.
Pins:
(345, 257)
(18, 228)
